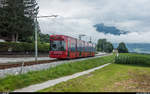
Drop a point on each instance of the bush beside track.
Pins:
(22, 47)
(11, 83)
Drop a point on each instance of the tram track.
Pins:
(19, 64)
(30, 63)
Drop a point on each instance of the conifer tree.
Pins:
(17, 19)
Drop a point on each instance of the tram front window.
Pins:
(57, 45)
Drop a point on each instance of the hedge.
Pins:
(23, 47)
(132, 59)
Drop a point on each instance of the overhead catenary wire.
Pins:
(52, 29)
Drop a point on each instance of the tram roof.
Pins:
(71, 37)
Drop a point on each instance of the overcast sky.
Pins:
(78, 17)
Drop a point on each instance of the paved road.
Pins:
(26, 59)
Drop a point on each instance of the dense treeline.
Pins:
(104, 46)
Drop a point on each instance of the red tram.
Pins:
(63, 47)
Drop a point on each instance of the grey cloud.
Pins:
(78, 16)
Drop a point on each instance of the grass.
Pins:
(112, 78)
(11, 83)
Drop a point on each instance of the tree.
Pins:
(108, 47)
(122, 48)
(18, 18)
(3, 17)
(100, 45)
(44, 38)
(104, 46)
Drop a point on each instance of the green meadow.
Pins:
(129, 73)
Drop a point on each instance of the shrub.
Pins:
(44, 47)
(4, 46)
(23, 47)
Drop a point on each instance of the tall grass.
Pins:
(132, 59)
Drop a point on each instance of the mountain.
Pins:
(137, 47)
(109, 29)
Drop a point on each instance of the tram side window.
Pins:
(92, 48)
(68, 45)
(82, 48)
(85, 48)
(88, 48)
(73, 47)
(78, 49)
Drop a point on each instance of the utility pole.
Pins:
(36, 31)
(36, 47)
